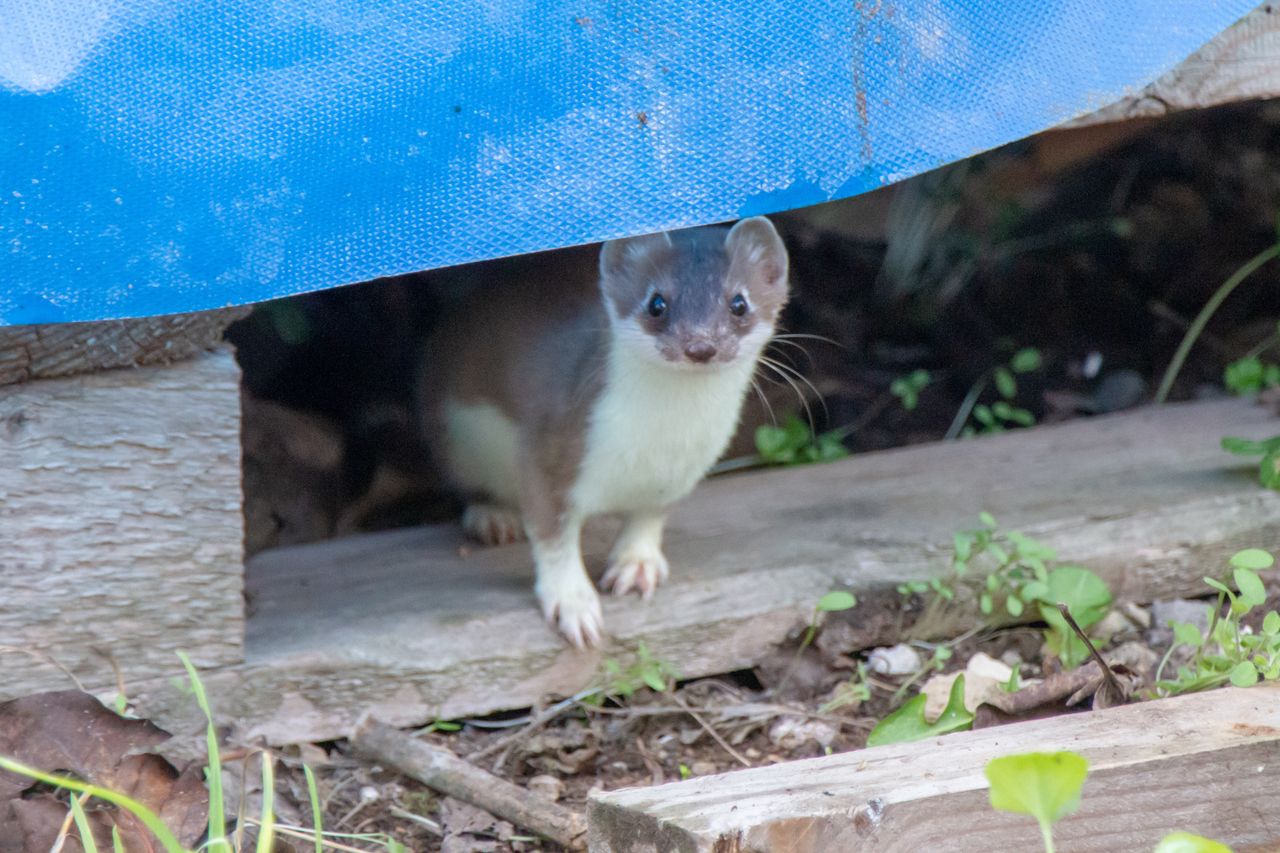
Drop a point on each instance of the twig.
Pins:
(532, 724)
(445, 772)
(737, 756)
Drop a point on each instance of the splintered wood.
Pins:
(1207, 763)
(121, 522)
(416, 625)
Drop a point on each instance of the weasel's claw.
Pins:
(574, 610)
(642, 574)
(493, 525)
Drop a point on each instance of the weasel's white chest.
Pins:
(653, 433)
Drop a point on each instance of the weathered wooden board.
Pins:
(400, 624)
(121, 524)
(1206, 763)
(1239, 64)
(65, 349)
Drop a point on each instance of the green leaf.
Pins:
(1185, 842)
(1022, 417)
(1252, 558)
(985, 604)
(1082, 591)
(87, 842)
(1007, 385)
(1014, 605)
(1271, 624)
(771, 443)
(1186, 634)
(1044, 785)
(1244, 376)
(987, 519)
(1025, 360)
(654, 679)
(1249, 447)
(908, 723)
(982, 414)
(1252, 593)
(1269, 470)
(836, 600)
(1220, 586)
(1035, 590)
(1244, 674)
(963, 543)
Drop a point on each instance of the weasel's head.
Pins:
(697, 299)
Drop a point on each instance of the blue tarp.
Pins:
(162, 156)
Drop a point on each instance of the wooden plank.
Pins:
(121, 523)
(1200, 763)
(65, 349)
(1239, 64)
(399, 624)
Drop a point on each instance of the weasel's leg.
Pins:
(569, 601)
(637, 562)
(492, 524)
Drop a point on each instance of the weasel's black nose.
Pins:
(700, 351)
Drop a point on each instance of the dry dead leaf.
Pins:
(72, 732)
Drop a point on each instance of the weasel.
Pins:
(578, 386)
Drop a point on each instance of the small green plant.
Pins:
(908, 723)
(1016, 571)
(794, 443)
(621, 683)
(1047, 786)
(1251, 374)
(1269, 451)
(1002, 414)
(1225, 651)
(1044, 785)
(907, 388)
(832, 602)
(854, 692)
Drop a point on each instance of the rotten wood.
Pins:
(66, 349)
(405, 625)
(445, 772)
(121, 522)
(1201, 763)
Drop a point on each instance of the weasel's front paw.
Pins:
(639, 571)
(572, 606)
(490, 524)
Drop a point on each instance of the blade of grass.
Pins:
(141, 812)
(1202, 319)
(267, 828)
(117, 846)
(314, 793)
(82, 824)
(217, 816)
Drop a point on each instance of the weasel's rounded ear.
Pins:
(617, 256)
(755, 245)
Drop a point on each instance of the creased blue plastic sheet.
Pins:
(161, 156)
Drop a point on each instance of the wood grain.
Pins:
(66, 349)
(1203, 763)
(399, 624)
(120, 522)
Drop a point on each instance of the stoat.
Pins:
(599, 381)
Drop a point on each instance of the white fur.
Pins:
(657, 427)
(482, 445)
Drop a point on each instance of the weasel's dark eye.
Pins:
(738, 305)
(657, 305)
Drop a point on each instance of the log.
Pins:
(1201, 763)
(66, 349)
(405, 626)
(121, 523)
